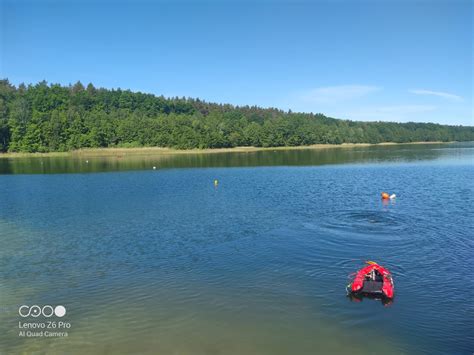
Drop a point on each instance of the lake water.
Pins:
(162, 261)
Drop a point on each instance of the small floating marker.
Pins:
(216, 182)
(386, 196)
(154, 168)
(87, 161)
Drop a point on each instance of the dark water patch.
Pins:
(296, 157)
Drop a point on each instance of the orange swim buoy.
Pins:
(385, 196)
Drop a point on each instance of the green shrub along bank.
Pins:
(49, 118)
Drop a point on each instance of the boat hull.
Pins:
(384, 287)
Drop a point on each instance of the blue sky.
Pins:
(362, 60)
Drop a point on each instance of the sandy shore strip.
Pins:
(150, 151)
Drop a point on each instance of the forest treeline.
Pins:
(48, 118)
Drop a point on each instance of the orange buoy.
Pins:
(385, 196)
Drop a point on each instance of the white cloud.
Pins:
(334, 94)
(397, 113)
(404, 109)
(444, 95)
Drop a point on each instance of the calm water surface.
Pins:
(161, 261)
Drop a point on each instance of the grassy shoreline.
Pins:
(149, 151)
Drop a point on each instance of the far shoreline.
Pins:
(150, 151)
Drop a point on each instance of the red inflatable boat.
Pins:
(374, 280)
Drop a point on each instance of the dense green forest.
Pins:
(46, 118)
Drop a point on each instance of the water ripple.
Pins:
(368, 224)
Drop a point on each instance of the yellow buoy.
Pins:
(216, 182)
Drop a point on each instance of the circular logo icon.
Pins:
(24, 311)
(60, 311)
(35, 311)
(47, 311)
